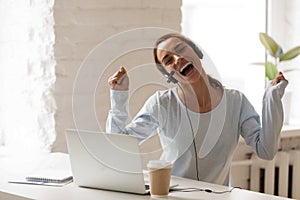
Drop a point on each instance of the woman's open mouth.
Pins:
(186, 69)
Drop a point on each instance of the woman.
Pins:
(199, 121)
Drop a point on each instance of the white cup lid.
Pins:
(156, 164)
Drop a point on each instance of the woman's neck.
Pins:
(200, 96)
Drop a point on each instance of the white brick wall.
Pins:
(80, 26)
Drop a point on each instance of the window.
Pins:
(26, 76)
(228, 30)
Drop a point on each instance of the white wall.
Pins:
(79, 27)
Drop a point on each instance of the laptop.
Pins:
(106, 161)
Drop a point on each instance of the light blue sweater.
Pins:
(216, 133)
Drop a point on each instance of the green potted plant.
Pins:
(277, 54)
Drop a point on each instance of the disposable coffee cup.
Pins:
(159, 177)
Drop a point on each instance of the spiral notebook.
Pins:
(52, 176)
(47, 177)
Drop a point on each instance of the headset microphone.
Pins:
(170, 77)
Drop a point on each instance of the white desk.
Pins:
(72, 191)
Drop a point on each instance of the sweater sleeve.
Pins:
(263, 137)
(117, 115)
(143, 124)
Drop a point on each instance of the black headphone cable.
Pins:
(193, 133)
